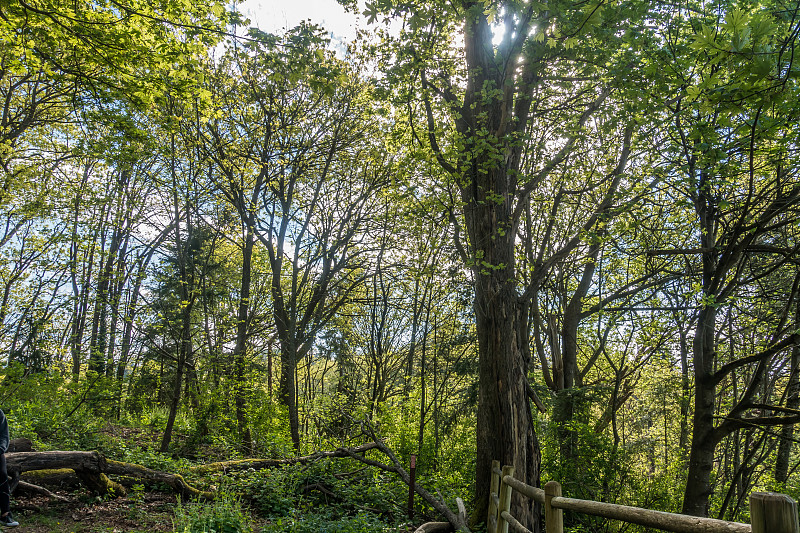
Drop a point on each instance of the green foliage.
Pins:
(45, 407)
(273, 492)
(363, 522)
(337, 488)
(223, 515)
(120, 130)
(125, 51)
(449, 467)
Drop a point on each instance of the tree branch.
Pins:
(720, 374)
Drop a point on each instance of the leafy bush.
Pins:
(273, 491)
(223, 515)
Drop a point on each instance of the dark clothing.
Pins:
(4, 440)
(5, 489)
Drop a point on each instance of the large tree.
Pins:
(510, 93)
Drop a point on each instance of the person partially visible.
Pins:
(6, 520)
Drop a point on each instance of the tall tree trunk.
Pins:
(505, 424)
(686, 392)
(505, 430)
(187, 298)
(568, 399)
(423, 363)
(130, 314)
(121, 278)
(79, 285)
(704, 438)
(288, 388)
(489, 189)
(269, 369)
(242, 328)
(184, 348)
(96, 362)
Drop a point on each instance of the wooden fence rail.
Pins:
(769, 512)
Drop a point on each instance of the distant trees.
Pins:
(294, 154)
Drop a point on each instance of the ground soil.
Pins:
(140, 513)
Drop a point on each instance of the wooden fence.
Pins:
(769, 512)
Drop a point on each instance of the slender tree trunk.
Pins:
(423, 411)
(121, 278)
(96, 361)
(792, 402)
(435, 401)
(704, 439)
(187, 298)
(240, 351)
(79, 292)
(287, 385)
(686, 392)
(184, 348)
(269, 369)
(412, 346)
(568, 399)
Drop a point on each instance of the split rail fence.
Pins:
(769, 512)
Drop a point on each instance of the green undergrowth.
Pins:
(336, 495)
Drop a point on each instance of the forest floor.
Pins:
(149, 512)
(146, 510)
(145, 513)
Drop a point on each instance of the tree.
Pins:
(503, 114)
(293, 157)
(65, 65)
(109, 50)
(733, 161)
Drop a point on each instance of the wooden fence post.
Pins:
(505, 500)
(773, 513)
(553, 518)
(412, 467)
(494, 489)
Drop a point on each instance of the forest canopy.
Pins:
(557, 234)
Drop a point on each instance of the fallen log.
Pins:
(260, 464)
(36, 489)
(175, 481)
(61, 479)
(434, 527)
(92, 467)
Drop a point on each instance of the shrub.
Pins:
(223, 515)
